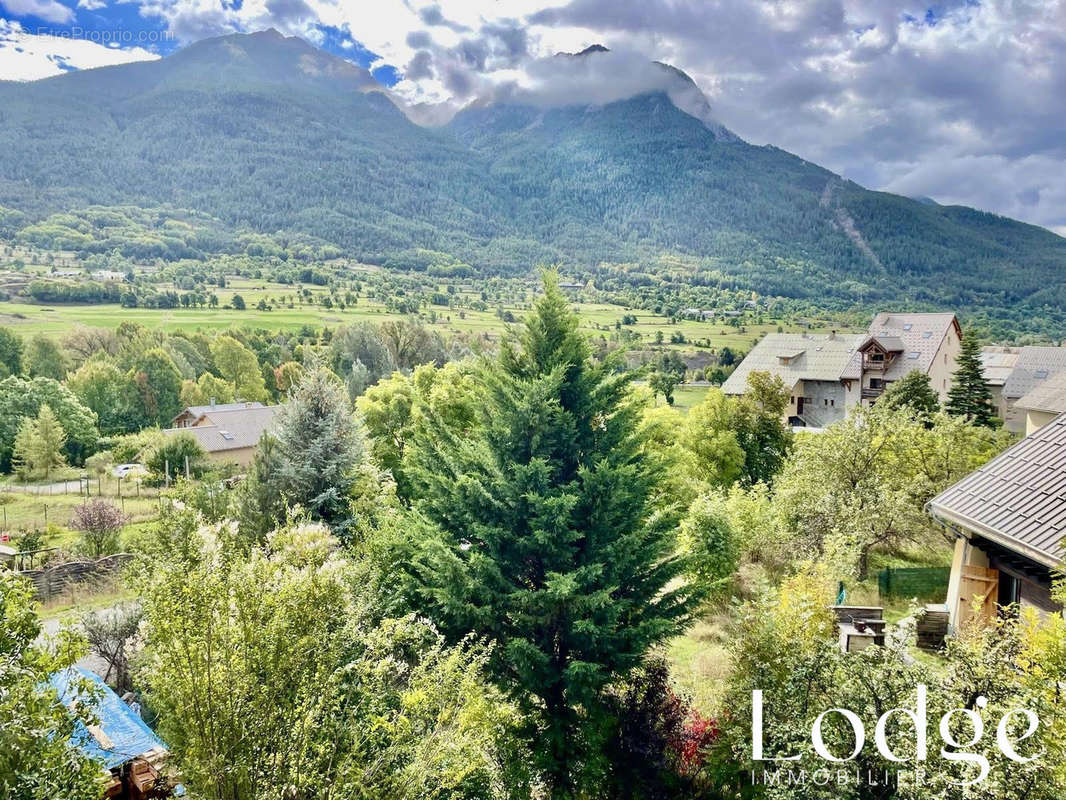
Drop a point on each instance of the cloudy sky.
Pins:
(964, 102)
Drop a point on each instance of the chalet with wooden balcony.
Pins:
(828, 374)
(897, 344)
(1009, 518)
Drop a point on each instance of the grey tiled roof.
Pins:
(1018, 498)
(919, 334)
(820, 357)
(231, 430)
(890, 344)
(199, 411)
(1047, 396)
(1035, 365)
(811, 357)
(998, 363)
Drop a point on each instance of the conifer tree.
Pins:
(969, 395)
(22, 450)
(39, 445)
(320, 448)
(49, 442)
(550, 541)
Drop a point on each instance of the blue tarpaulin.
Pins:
(127, 735)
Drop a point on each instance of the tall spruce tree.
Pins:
(319, 449)
(969, 395)
(551, 541)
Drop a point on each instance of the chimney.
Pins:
(832, 335)
(212, 402)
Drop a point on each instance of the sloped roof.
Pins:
(124, 734)
(811, 357)
(998, 363)
(1017, 499)
(919, 337)
(1049, 396)
(198, 411)
(1034, 366)
(890, 344)
(231, 430)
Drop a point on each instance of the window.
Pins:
(908, 326)
(832, 402)
(877, 356)
(877, 383)
(1040, 374)
(825, 400)
(913, 355)
(929, 335)
(226, 435)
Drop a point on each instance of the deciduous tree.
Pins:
(38, 760)
(109, 393)
(268, 684)
(239, 367)
(158, 383)
(44, 358)
(10, 353)
(914, 391)
(99, 521)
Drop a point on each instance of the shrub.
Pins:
(99, 521)
(108, 633)
(170, 455)
(711, 546)
(658, 744)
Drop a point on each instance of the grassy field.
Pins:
(596, 318)
(21, 511)
(685, 397)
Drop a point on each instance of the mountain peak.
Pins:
(592, 48)
(266, 57)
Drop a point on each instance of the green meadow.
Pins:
(287, 313)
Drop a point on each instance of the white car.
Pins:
(128, 470)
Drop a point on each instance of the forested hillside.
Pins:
(269, 135)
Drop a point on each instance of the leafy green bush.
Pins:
(169, 457)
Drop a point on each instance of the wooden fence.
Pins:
(54, 580)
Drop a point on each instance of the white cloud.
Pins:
(92, 5)
(27, 57)
(49, 10)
